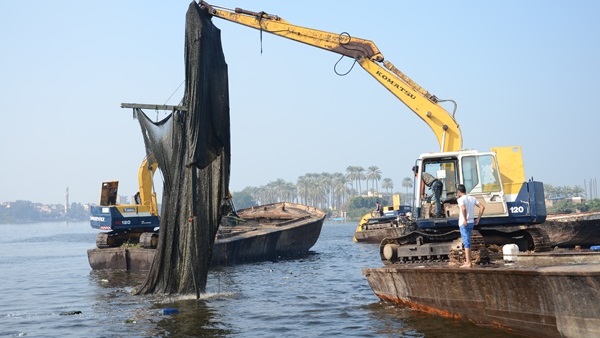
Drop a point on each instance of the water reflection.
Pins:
(196, 318)
(391, 320)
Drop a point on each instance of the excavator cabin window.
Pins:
(445, 171)
(480, 174)
(109, 192)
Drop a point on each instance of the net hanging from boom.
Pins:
(193, 151)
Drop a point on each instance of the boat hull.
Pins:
(568, 231)
(559, 299)
(261, 233)
(121, 258)
(267, 243)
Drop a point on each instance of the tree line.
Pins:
(29, 212)
(552, 191)
(333, 192)
(327, 191)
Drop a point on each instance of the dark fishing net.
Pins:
(192, 149)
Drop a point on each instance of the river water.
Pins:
(49, 290)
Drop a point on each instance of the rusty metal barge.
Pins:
(259, 233)
(552, 294)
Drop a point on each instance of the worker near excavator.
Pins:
(435, 185)
(467, 220)
(378, 211)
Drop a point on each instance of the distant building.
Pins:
(575, 200)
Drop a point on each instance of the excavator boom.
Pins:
(366, 53)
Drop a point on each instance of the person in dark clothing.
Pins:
(436, 185)
(378, 209)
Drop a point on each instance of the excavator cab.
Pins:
(477, 171)
(108, 194)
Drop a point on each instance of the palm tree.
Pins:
(253, 192)
(387, 184)
(577, 190)
(303, 186)
(262, 194)
(326, 179)
(276, 189)
(315, 190)
(340, 189)
(361, 176)
(374, 174)
(351, 174)
(291, 192)
(407, 183)
(549, 190)
(355, 174)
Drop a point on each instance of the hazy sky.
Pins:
(523, 73)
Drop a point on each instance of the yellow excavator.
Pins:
(128, 223)
(373, 226)
(496, 178)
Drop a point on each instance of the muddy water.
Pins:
(48, 290)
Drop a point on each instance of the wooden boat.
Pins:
(259, 233)
(570, 230)
(266, 232)
(552, 294)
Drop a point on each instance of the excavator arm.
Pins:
(366, 53)
(145, 176)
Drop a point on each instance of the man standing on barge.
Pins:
(467, 220)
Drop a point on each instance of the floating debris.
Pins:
(70, 313)
(169, 311)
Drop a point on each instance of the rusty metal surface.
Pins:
(121, 259)
(550, 301)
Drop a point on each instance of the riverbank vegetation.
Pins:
(337, 193)
(343, 194)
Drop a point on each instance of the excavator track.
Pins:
(540, 239)
(418, 247)
(114, 239)
(533, 239)
(477, 241)
(149, 240)
(106, 240)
